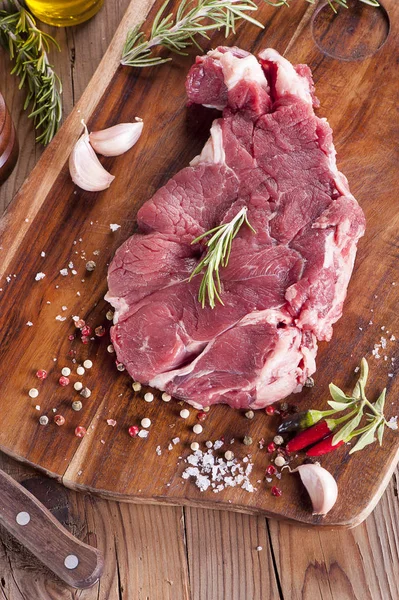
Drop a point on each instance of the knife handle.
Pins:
(76, 563)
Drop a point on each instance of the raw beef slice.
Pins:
(284, 286)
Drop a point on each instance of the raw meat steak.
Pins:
(283, 287)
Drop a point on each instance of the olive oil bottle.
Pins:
(64, 12)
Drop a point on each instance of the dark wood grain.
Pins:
(107, 460)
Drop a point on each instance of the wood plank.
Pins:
(223, 558)
(344, 564)
(102, 460)
(143, 547)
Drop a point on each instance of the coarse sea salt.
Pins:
(114, 226)
(39, 276)
(209, 470)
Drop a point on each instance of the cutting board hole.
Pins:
(352, 33)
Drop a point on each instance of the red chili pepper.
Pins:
(309, 436)
(324, 447)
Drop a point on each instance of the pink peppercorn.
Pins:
(270, 410)
(80, 431)
(71, 337)
(276, 491)
(86, 330)
(59, 420)
(41, 374)
(271, 470)
(71, 353)
(80, 324)
(85, 339)
(201, 416)
(63, 381)
(99, 331)
(133, 431)
(271, 447)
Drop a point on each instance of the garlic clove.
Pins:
(117, 139)
(86, 170)
(320, 485)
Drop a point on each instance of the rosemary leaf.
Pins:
(217, 256)
(28, 47)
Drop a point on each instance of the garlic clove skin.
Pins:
(320, 485)
(86, 170)
(116, 140)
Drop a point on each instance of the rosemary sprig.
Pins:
(28, 47)
(359, 403)
(194, 18)
(218, 254)
(176, 33)
(344, 3)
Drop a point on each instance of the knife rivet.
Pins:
(71, 561)
(23, 518)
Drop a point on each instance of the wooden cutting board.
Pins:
(352, 56)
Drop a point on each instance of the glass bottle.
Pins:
(62, 13)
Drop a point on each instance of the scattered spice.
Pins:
(229, 455)
(250, 414)
(271, 447)
(194, 446)
(110, 348)
(143, 433)
(148, 397)
(270, 410)
(87, 364)
(133, 431)
(63, 381)
(201, 416)
(276, 491)
(278, 440)
(99, 331)
(247, 440)
(66, 371)
(77, 405)
(85, 392)
(80, 431)
(271, 470)
(197, 428)
(33, 393)
(166, 397)
(90, 265)
(146, 423)
(43, 420)
(279, 461)
(78, 385)
(80, 370)
(109, 315)
(41, 374)
(136, 386)
(59, 420)
(184, 413)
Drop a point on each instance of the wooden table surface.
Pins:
(167, 553)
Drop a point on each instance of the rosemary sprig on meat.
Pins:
(28, 47)
(218, 254)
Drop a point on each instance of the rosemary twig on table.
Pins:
(177, 32)
(344, 3)
(218, 254)
(28, 47)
